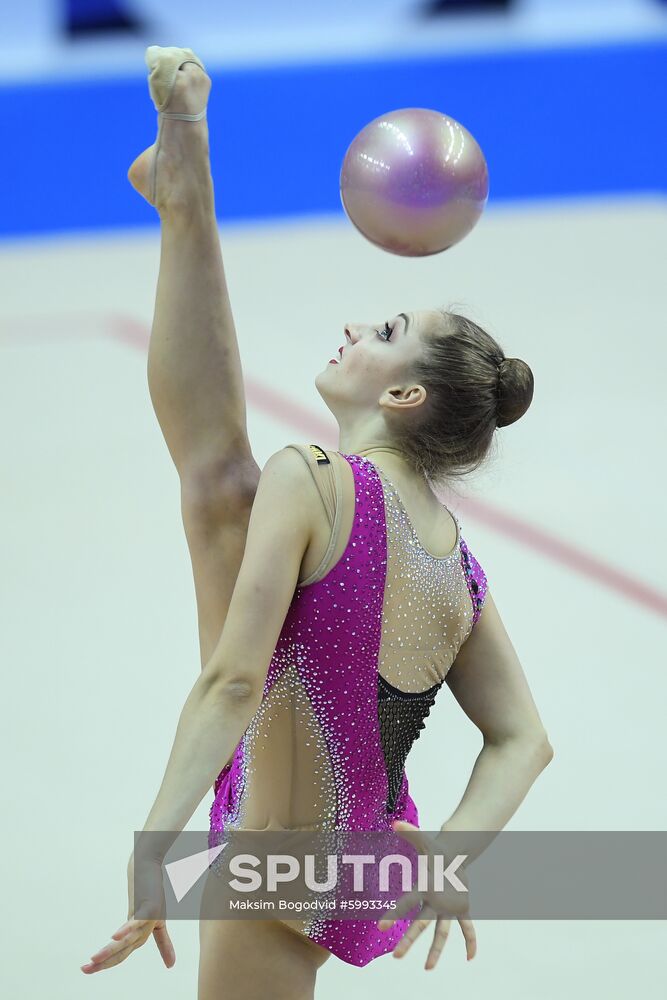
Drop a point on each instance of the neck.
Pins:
(403, 466)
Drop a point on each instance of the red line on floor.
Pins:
(136, 334)
(569, 555)
(276, 405)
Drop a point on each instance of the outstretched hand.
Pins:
(434, 904)
(137, 928)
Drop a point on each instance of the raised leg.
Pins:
(194, 368)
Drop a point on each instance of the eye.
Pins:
(385, 333)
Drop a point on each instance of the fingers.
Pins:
(126, 928)
(413, 932)
(131, 935)
(165, 947)
(106, 958)
(439, 938)
(402, 907)
(409, 832)
(118, 951)
(115, 959)
(470, 936)
(402, 826)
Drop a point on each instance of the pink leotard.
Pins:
(362, 654)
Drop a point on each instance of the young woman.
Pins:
(335, 593)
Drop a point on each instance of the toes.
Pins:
(151, 55)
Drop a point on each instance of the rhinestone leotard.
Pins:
(362, 654)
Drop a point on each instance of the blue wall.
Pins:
(558, 122)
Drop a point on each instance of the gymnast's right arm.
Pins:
(489, 684)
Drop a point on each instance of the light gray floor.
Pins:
(99, 641)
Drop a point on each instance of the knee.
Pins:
(242, 478)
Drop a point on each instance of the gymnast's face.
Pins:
(373, 366)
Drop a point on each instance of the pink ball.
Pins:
(414, 182)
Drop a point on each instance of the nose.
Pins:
(352, 331)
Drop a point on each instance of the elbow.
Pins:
(538, 750)
(238, 690)
(533, 745)
(545, 750)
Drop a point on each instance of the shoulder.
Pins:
(286, 478)
(300, 460)
(287, 466)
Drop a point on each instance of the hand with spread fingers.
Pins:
(140, 924)
(440, 906)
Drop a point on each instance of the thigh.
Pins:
(215, 515)
(255, 960)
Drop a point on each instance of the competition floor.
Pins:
(99, 643)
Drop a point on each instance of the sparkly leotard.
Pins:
(362, 654)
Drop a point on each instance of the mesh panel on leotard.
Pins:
(427, 612)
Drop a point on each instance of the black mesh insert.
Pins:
(402, 716)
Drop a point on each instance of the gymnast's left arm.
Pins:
(229, 689)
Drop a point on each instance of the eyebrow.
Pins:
(407, 322)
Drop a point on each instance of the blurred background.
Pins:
(566, 269)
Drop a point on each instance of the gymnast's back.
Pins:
(367, 642)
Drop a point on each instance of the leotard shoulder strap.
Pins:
(325, 470)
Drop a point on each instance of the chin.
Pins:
(317, 382)
(321, 375)
(329, 402)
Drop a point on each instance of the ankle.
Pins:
(188, 205)
(188, 136)
(184, 181)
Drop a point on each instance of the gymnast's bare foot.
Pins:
(173, 174)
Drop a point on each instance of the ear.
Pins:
(398, 398)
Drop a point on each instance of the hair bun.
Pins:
(515, 390)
